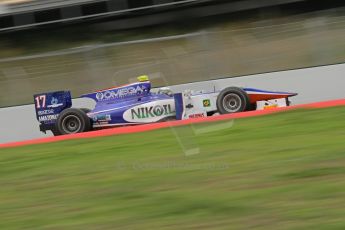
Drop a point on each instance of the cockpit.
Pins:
(166, 91)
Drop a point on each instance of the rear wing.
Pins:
(48, 106)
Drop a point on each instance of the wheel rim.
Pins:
(232, 103)
(71, 124)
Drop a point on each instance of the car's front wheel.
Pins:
(232, 100)
(73, 121)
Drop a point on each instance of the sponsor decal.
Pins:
(103, 123)
(54, 103)
(196, 115)
(102, 118)
(206, 103)
(45, 112)
(150, 112)
(47, 117)
(119, 93)
(271, 106)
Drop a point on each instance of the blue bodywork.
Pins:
(130, 104)
(125, 105)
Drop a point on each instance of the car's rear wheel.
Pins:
(232, 100)
(73, 121)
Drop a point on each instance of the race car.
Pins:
(136, 104)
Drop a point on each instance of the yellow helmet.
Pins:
(143, 78)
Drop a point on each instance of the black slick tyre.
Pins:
(232, 100)
(73, 121)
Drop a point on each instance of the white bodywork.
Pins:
(194, 106)
(198, 108)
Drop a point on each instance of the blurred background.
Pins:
(84, 45)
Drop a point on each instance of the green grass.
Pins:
(283, 171)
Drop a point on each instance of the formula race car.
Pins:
(136, 104)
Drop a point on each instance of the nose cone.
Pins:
(263, 95)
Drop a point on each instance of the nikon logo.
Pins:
(152, 111)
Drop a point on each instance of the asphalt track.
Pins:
(19, 124)
(171, 124)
